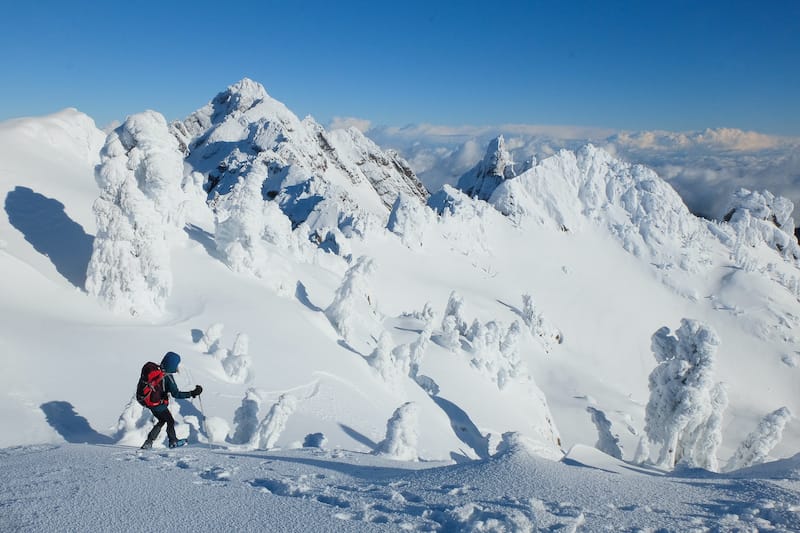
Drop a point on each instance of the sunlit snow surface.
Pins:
(113, 488)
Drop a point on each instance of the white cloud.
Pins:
(342, 123)
(705, 167)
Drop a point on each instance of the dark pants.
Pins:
(163, 417)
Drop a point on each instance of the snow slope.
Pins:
(528, 317)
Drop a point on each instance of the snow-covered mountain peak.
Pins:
(495, 167)
(324, 178)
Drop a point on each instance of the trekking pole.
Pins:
(202, 411)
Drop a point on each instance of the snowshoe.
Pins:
(179, 442)
(147, 445)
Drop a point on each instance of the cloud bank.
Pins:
(705, 167)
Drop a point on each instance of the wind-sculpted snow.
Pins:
(330, 180)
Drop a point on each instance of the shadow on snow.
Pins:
(70, 425)
(44, 223)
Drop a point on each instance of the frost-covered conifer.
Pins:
(409, 219)
(212, 337)
(454, 308)
(240, 225)
(270, 428)
(140, 209)
(392, 363)
(401, 434)
(419, 346)
(755, 448)
(353, 290)
(245, 419)
(706, 437)
(450, 337)
(681, 413)
(237, 363)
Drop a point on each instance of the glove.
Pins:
(197, 390)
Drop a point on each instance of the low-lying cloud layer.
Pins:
(705, 167)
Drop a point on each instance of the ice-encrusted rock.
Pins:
(497, 166)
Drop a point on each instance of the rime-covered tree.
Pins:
(682, 414)
(270, 428)
(240, 225)
(755, 448)
(455, 305)
(408, 219)
(140, 209)
(237, 363)
(353, 291)
(401, 434)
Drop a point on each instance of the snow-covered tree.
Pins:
(212, 336)
(245, 419)
(401, 434)
(140, 209)
(419, 346)
(455, 308)
(408, 219)
(495, 351)
(270, 428)
(352, 293)
(755, 448)
(240, 225)
(705, 437)
(683, 412)
(537, 325)
(237, 363)
(450, 336)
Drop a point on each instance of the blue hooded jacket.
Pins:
(169, 364)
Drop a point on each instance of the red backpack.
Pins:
(150, 389)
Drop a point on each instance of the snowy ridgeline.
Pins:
(280, 190)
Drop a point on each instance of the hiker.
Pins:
(158, 397)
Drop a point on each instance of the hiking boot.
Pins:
(147, 445)
(176, 443)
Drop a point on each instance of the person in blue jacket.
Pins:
(169, 364)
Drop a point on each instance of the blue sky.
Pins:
(675, 65)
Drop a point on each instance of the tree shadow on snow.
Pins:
(44, 223)
(513, 309)
(301, 293)
(70, 425)
(204, 238)
(197, 335)
(466, 430)
(359, 437)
